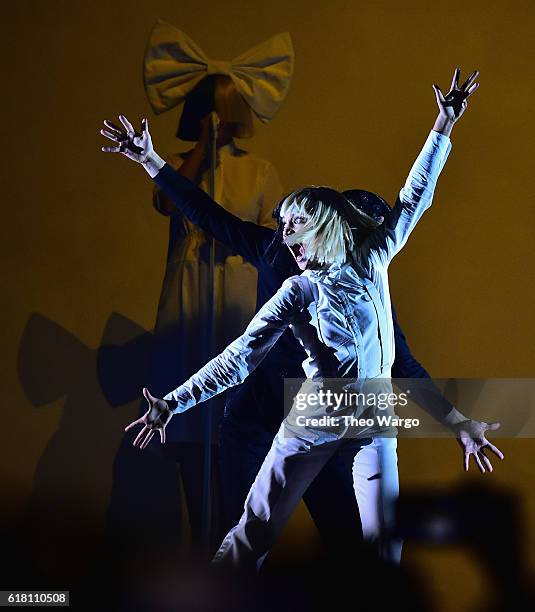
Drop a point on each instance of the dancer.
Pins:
(435, 148)
(253, 411)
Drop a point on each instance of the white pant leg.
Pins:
(289, 467)
(376, 484)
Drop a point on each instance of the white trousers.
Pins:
(289, 467)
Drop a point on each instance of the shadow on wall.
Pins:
(94, 496)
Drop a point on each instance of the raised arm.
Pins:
(417, 194)
(245, 238)
(229, 368)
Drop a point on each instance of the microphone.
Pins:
(214, 125)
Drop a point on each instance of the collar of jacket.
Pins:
(326, 275)
(341, 274)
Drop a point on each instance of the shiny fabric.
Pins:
(347, 329)
(287, 471)
(245, 405)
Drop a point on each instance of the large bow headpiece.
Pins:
(174, 64)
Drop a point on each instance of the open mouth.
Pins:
(298, 252)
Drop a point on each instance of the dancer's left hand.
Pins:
(452, 105)
(155, 419)
(472, 440)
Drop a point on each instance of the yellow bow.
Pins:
(174, 64)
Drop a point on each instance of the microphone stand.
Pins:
(206, 518)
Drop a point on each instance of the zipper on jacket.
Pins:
(378, 326)
(352, 325)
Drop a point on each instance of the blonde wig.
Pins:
(327, 236)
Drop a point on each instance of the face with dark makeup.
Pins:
(293, 222)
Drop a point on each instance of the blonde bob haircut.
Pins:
(326, 237)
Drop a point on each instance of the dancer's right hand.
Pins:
(155, 419)
(134, 145)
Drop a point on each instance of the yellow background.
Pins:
(81, 240)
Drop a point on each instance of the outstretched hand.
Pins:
(155, 419)
(472, 440)
(454, 103)
(136, 146)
